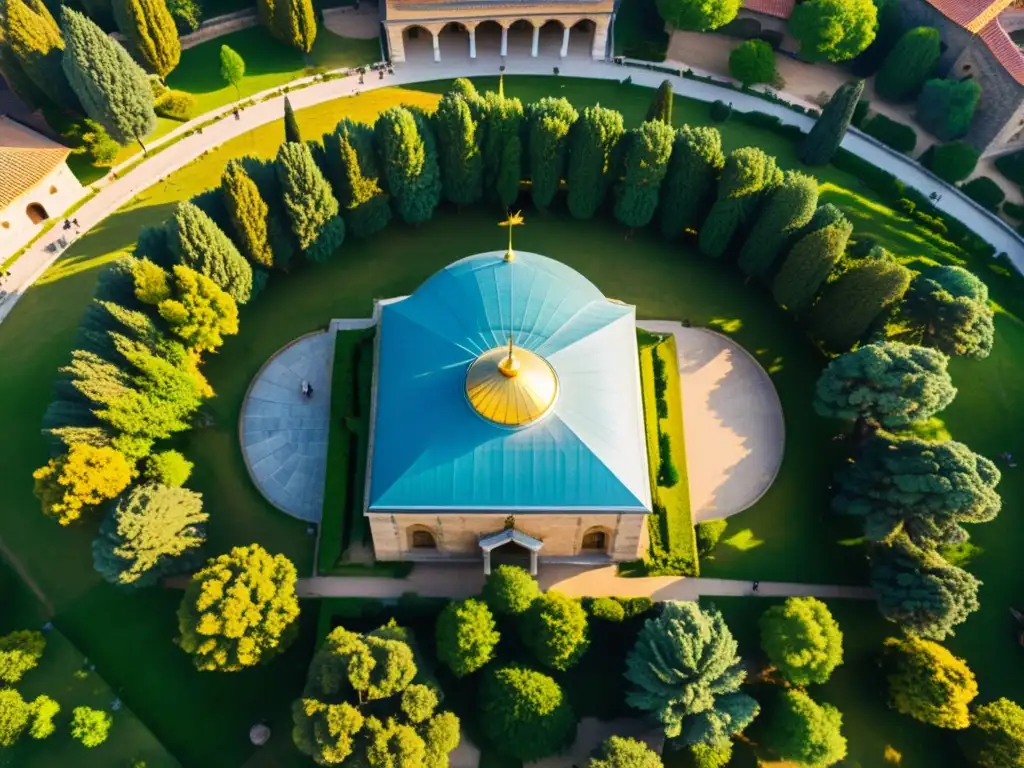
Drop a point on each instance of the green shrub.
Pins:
(753, 62)
(668, 475)
(1013, 210)
(175, 105)
(952, 162)
(607, 609)
(168, 468)
(1012, 166)
(97, 143)
(897, 135)
(860, 112)
(720, 111)
(985, 192)
(525, 714)
(466, 636)
(554, 628)
(711, 756)
(510, 590)
(634, 606)
(708, 535)
(768, 122)
(909, 64)
(946, 107)
(907, 206)
(934, 223)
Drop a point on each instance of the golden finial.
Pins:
(509, 366)
(512, 220)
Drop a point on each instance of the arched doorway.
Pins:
(551, 38)
(595, 541)
(581, 38)
(520, 38)
(36, 213)
(418, 43)
(422, 539)
(488, 38)
(453, 40)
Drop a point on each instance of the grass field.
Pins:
(787, 535)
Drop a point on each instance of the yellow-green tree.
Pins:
(150, 29)
(249, 214)
(295, 23)
(33, 36)
(79, 480)
(239, 610)
(929, 683)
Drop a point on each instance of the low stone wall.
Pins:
(220, 25)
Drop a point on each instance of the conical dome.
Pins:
(510, 386)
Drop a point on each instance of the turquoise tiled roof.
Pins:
(431, 450)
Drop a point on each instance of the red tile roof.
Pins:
(972, 15)
(1004, 49)
(778, 8)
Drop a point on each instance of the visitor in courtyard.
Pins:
(756, 585)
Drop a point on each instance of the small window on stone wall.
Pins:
(595, 539)
(965, 68)
(423, 540)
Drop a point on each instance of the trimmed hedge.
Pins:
(860, 112)
(985, 192)
(897, 135)
(720, 111)
(1012, 166)
(708, 535)
(951, 162)
(1013, 210)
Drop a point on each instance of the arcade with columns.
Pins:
(427, 30)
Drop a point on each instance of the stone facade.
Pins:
(23, 217)
(455, 536)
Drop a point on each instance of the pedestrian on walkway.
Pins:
(756, 585)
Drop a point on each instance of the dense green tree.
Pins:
(355, 176)
(689, 186)
(952, 162)
(501, 121)
(808, 265)
(698, 15)
(555, 629)
(86, 476)
(32, 37)
(929, 683)
(686, 673)
(238, 610)
(805, 732)
(295, 23)
(924, 489)
(13, 73)
(948, 309)
(946, 107)
(619, 752)
(549, 122)
(265, 12)
(466, 636)
(649, 148)
(248, 214)
(232, 68)
(149, 28)
(802, 640)
(854, 301)
(590, 169)
(909, 64)
(44, 709)
(753, 62)
(833, 30)
(198, 243)
(661, 104)
(830, 128)
(888, 384)
(525, 714)
(168, 468)
(710, 755)
(20, 652)
(17, 715)
(510, 590)
(789, 208)
(197, 311)
(263, 172)
(112, 88)
(152, 532)
(90, 726)
(890, 29)
(996, 736)
(458, 151)
(291, 125)
(309, 202)
(409, 157)
(918, 590)
(748, 174)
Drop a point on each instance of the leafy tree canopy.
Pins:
(466, 636)
(84, 477)
(948, 307)
(802, 640)
(526, 715)
(619, 752)
(929, 683)
(804, 731)
(20, 651)
(698, 15)
(996, 736)
(833, 30)
(510, 590)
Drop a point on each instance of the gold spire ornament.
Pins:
(512, 220)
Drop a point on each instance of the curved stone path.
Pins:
(284, 433)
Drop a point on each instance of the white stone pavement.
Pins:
(30, 266)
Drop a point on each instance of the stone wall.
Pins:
(457, 535)
(220, 25)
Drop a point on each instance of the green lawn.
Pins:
(787, 535)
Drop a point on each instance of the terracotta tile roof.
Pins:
(778, 8)
(26, 158)
(972, 15)
(1004, 49)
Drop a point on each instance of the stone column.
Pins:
(600, 39)
(437, 46)
(536, 40)
(472, 42)
(533, 563)
(504, 41)
(487, 562)
(396, 46)
(565, 43)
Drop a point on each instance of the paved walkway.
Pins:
(732, 418)
(283, 433)
(30, 266)
(459, 580)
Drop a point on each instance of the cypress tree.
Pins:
(909, 64)
(851, 304)
(295, 23)
(248, 214)
(113, 89)
(35, 40)
(14, 75)
(747, 175)
(458, 151)
(821, 144)
(549, 121)
(661, 105)
(506, 186)
(263, 172)
(790, 208)
(291, 125)
(689, 187)
(808, 266)
(311, 208)
(636, 196)
(589, 172)
(149, 27)
(265, 11)
(409, 158)
(355, 175)
(200, 244)
(502, 122)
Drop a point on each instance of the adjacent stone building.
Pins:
(506, 419)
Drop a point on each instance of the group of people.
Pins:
(68, 224)
(4, 277)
